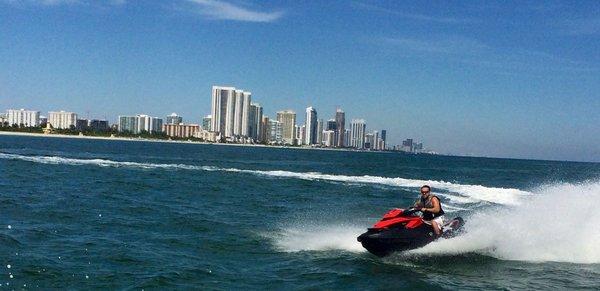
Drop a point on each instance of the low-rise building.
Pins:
(98, 125)
(181, 130)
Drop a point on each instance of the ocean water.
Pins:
(92, 214)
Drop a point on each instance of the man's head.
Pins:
(425, 190)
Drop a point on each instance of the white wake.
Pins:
(560, 223)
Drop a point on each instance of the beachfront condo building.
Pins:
(62, 119)
(247, 96)
(230, 112)
(254, 121)
(23, 118)
(310, 135)
(357, 133)
(180, 130)
(140, 123)
(287, 118)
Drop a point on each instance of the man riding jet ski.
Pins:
(402, 230)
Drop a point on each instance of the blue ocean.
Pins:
(100, 214)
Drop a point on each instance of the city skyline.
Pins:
(497, 79)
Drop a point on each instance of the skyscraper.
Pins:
(376, 140)
(340, 120)
(310, 126)
(384, 135)
(246, 113)
(221, 97)
(238, 113)
(254, 121)
(301, 135)
(346, 137)
(369, 141)
(319, 131)
(230, 114)
(287, 118)
(263, 137)
(357, 134)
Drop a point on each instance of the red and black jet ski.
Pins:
(402, 230)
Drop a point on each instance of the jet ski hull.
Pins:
(384, 241)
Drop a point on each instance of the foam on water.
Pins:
(560, 223)
(460, 193)
(319, 238)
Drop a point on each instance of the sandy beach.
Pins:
(41, 135)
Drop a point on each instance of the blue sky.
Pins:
(508, 79)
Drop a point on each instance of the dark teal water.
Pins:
(85, 214)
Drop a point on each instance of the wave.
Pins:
(466, 193)
(561, 223)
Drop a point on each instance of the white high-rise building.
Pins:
(357, 133)
(239, 110)
(149, 124)
(329, 138)
(221, 97)
(247, 96)
(62, 119)
(287, 118)
(310, 135)
(230, 112)
(139, 123)
(275, 132)
(230, 115)
(22, 117)
(320, 131)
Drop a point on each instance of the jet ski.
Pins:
(402, 230)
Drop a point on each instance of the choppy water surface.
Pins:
(86, 214)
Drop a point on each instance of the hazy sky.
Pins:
(508, 79)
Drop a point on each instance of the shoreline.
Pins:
(31, 134)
